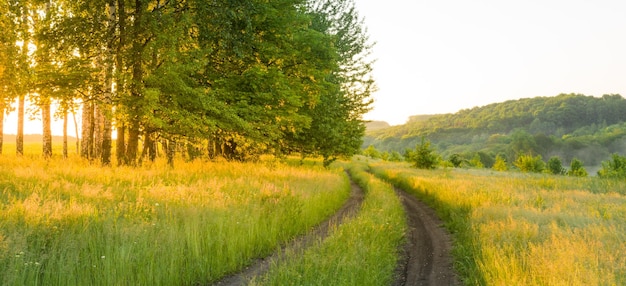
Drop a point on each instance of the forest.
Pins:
(233, 79)
(567, 125)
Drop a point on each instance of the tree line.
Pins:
(569, 126)
(230, 78)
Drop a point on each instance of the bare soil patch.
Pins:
(299, 244)
(425, 258)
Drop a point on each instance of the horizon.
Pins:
(34, 126)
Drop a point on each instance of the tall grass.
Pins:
(526, 229)
(362, 251)
(66, 222)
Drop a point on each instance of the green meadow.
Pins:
(525, 229)
(67, 222)
(71, 222)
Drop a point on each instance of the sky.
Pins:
(441, 56)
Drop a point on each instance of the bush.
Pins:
(614, 168)
(576, 169)
(500, 164)
(456, 160)
(555, 166)
(528, 163)
(371, 152)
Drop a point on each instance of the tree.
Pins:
(576, 169)
(423, 157)
(341, 46)
(555, 166)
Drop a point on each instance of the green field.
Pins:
(69, 222)
(524, 229)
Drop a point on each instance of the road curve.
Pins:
(299, 244)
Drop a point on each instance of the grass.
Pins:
(362, 251)
(526, 229)
(66, 222)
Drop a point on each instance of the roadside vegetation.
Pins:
(362, 251)
(68, 222)
(513, 228)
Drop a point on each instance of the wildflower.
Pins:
(102, 257)
(156, 205)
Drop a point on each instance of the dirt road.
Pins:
(298, 245)
(425, 259)
(426, 256)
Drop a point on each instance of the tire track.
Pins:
(425, 258)
(299, 244)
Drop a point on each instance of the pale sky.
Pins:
(440, 56)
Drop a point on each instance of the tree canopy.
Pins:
(232, 78)
(567, 125)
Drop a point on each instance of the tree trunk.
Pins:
(86, 150)
(170, 152)
(2, 108)
(19, 139)
(97, 131)
(76, 129)
(136, 85)
(65, 134)
(105, 157)
(47, 128)
(120, 150)
(106, 141)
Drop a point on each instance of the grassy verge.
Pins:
(362, 251)
(524, 229)
(65, 222)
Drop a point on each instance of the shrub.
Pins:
(423, 157)
(476, 162)
(576, 169)
(614, 168)
(500, 164)
(528, 163)
(555, 166)
(456, 160)
(371, 152)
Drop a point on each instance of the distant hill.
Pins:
(567, 125)
(36, 138)
(376, 125)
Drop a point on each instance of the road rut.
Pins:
(298, 245)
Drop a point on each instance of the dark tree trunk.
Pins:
(170, 152)
(136, 85)
(106, 140)
(120, 149)
(133, 144)
(98, 131)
